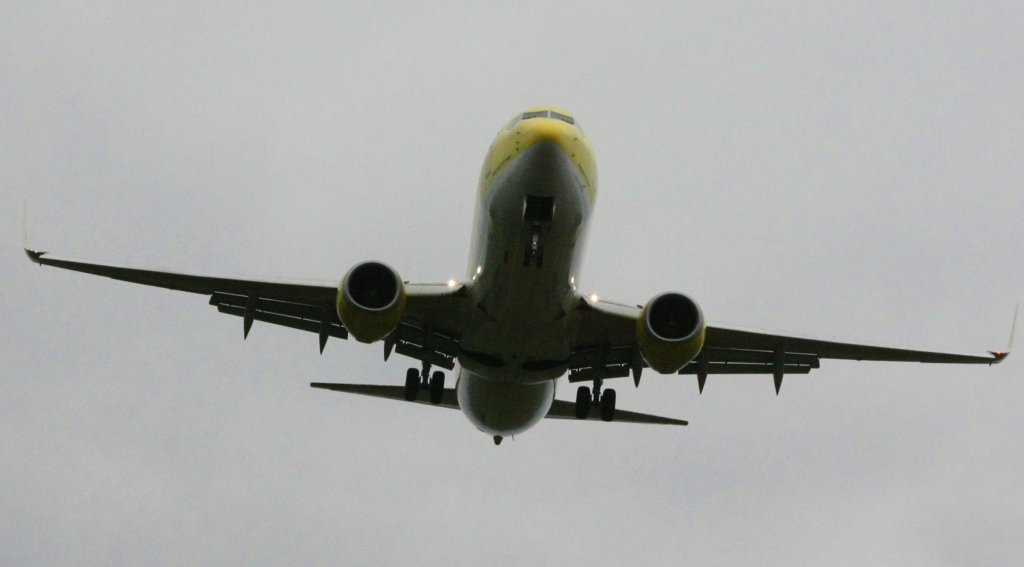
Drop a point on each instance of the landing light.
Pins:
(452, 283)
(593, 298)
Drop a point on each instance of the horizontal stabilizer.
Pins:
(449, 400)
(560, 409)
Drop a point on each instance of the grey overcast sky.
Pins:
(848, 171)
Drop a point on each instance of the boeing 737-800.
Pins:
(517, 323)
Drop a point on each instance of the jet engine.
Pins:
(371, 299)
(670, 332)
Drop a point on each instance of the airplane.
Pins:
(517, 323)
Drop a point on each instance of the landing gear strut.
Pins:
(604, 401)
(534, 253)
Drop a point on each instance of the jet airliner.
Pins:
(517, 323)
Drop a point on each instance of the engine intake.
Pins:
(670, 332)
(371, 299)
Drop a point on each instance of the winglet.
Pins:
(24, 224)
(1000, 355)
(1013, 328)
(33, 255)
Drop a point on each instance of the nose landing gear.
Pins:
(534, 253)
(538, 213)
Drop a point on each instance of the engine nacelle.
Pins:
(371, 299)
(670, 332)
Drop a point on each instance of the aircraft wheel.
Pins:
(436, 388)
(608, 405)
(412, 384)
(582, 402)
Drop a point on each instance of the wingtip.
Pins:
(998, 356)
(34, 255)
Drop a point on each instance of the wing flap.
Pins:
(744, 368)
(315, 319)
(426, 344)
(336, 331)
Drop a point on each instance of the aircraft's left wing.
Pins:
(428, 329)
(606, 348)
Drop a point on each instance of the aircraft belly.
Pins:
(523, 269)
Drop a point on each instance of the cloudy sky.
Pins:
(850, 171)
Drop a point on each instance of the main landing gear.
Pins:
(416, 380)
(604, 402)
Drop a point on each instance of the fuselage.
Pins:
(537, 189)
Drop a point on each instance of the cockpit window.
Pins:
(515, 120)
(545, 114)
(562, 117)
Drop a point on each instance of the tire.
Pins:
(582, 402)
(412, 384)
(436, 388)
(608, 405)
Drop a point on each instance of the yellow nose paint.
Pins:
(522, 134)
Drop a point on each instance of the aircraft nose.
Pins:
(540, 130)
(550, 130)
